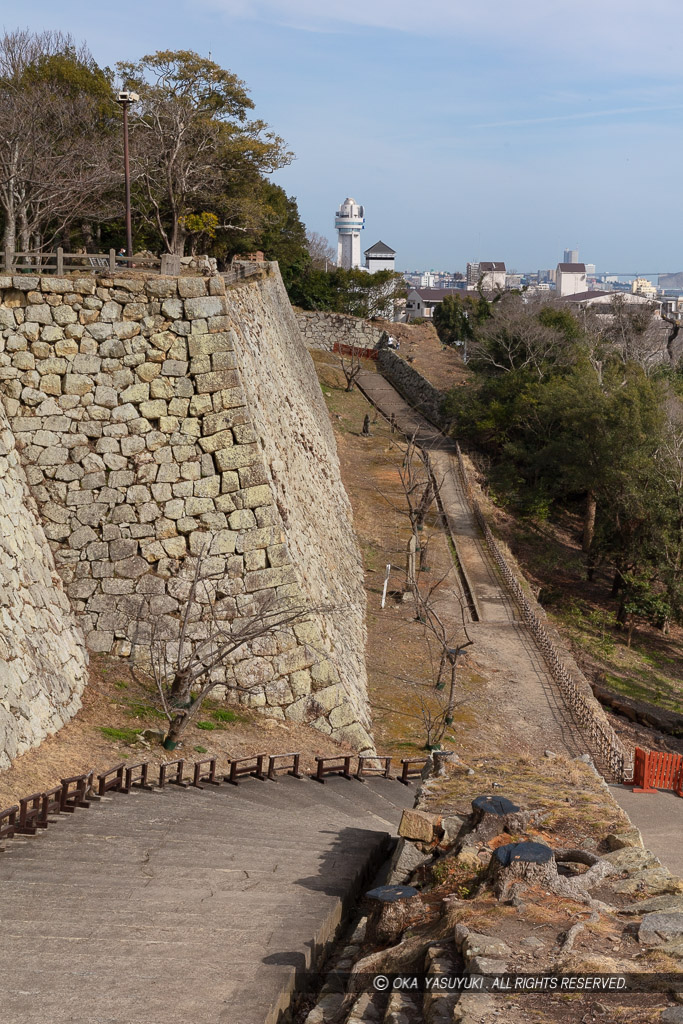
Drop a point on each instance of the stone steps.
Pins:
(184, 905)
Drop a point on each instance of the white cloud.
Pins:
(609, 33)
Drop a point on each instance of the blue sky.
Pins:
(497, 131)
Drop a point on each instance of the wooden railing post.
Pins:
(60, 261)
(112, 260)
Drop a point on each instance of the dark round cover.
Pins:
(531, 853)
(495, 805)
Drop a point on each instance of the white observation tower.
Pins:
(349, 222)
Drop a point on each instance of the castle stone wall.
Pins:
(154, 414)
(43, 664)
(415, 388)
(323, 330)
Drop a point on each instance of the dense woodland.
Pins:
(200, 163)
(572, 411)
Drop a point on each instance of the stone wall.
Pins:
(43, 664)
(324, 330)
(152, 413)
(415, 388)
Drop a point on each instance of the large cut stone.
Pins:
(205, 305)
(658, 928)
(417, 825)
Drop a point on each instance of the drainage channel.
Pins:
(466, 589)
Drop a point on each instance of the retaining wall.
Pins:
(323, 330)
(415, 388)
(153, 412)
(43, 664)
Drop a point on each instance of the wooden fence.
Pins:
(653, 770)
(39, 810)
(58, 262)
(615, 758)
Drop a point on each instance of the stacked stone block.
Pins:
(415, 388)
(322, 330)
(43, 664)
(127, 399)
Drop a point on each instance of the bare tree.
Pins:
(351, 366)
(321, 252)
(515, 338)
(417, 483)
(58, 156)
(186, 669)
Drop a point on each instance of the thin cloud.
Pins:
(610, 33)
(584, 115)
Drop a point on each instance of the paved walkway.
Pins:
(528, 701)
(183, 906)
(659, 816)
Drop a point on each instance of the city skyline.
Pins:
(503, 134)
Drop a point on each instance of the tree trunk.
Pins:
(451, 696)
(25, 238)
(9, 235)
(86, 232)
(617, 583)
(177, 727)
(392, 909)
(589, 521)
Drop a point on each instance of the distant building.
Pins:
(571, 278)
(590, 270)
(603, 300)
(571, 256)
(349, 222)
(492, 276)
(472, 275)
(421, 301)
(489, 276)
(641, 286)
(379, 257)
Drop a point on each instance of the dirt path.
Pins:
(525, 699)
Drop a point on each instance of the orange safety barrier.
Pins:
(653, 770)
(355, 350)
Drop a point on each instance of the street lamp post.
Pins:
(125, 99)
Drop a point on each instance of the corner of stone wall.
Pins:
(43, 663)
(151, 411)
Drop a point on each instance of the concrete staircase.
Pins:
(185, 905)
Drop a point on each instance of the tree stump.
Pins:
(528, 863)
(391, 908)
(492, 815)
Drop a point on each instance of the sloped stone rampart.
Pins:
(416, 389)
(43, 664)
(322, 330)
(152, 412)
